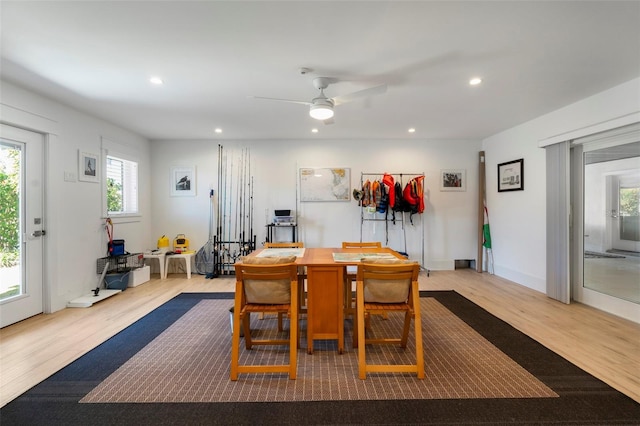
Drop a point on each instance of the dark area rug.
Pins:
(582, 399)
(189, 362)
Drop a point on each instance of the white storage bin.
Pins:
(139, 276)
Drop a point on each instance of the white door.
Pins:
(21, 235)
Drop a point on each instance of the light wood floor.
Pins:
(606, 346)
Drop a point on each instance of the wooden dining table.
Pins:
(325, 287)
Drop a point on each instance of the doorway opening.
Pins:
(612, 221)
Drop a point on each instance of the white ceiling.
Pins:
(534, 57)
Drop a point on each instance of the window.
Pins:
(122, 186)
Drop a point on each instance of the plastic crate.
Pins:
(117, 281)
(123, 263)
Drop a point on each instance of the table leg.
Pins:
(325, 311)
(161, 261)
(163, 271)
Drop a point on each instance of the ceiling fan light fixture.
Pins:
(321, 109)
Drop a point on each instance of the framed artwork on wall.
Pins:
(183, 181)
(88, 167)
(453, 180)
(325, 184)
(511, 176)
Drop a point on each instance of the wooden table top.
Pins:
(324, 256)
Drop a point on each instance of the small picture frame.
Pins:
(511, 176)
(183, 181)
(88, 167)
(453, 180)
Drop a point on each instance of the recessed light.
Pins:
(218, 130)
(411, 130)
(156, 80)
(314, 130)
(475, 81)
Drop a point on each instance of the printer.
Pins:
(283, 218)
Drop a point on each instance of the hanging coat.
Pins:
(388, 180)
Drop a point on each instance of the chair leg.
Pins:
(294, 310)
(301, 299)
(355, 329)
(246, 324)
(417, 325)
(362, 362)
(348, 299)
(280, 327)
(405, 330)
(293, 346)
(235, 342)
(302, 295)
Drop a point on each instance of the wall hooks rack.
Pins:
(395, 220)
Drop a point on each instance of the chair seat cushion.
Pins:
(267, 292)
(387, 291)
(274, 260)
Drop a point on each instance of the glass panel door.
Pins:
(10, 220)
(21, 224)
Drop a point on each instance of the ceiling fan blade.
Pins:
(328, 121)
(343, 99)
(281, 100)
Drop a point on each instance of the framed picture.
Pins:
(88, 167)
(453, 180)
(183, 181)
(325, 184)
(511, 176)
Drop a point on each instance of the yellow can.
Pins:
(163, 243)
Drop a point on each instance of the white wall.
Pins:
(517, 218)
(76, 236)
(518, 223)
(75, 231)
(449, 230)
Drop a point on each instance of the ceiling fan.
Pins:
(321, 107)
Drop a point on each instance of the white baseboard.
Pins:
(440, 265)
(89, 300)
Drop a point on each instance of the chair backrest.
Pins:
(267, 284)
(387, 282)
(359, 244)
(284, 245)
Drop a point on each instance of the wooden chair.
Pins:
(388, 287)
(350, 276)
(265, 288)
(302, 276)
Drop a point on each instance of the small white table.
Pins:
(187, 260)
(161, 262)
